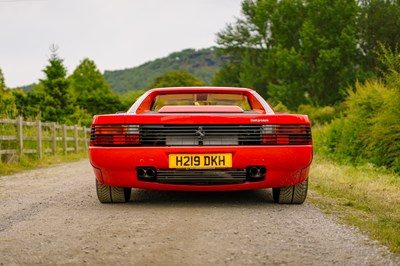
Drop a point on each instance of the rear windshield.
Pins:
(198, 99)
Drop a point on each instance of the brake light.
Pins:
(114, 135)
(286, 135)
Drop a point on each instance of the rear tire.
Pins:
(111, 194)
(295, 194)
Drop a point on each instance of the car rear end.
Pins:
(208, 149)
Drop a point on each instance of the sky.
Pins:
(115, 34)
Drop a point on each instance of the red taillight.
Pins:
(286, 135)
(114, 135)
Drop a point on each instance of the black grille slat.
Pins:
(201, 176)
(215, 135)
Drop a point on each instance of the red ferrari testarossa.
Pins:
(201, 139)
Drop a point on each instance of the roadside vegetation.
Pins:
(365, 196)
(27, 162)
(356, 172)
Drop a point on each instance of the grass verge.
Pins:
(363, 196)
(27, 162)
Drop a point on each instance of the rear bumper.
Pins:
(285, 165)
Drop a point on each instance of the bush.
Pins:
(319, 115)
(368, 131)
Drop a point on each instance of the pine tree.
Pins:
(57, 104)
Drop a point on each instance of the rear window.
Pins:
(200, 99)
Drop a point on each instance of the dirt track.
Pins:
(52, 216)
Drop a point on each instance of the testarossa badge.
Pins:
(258, 120)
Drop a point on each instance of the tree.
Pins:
(2, 82)
(57, 103)
(7, 106)
(176, 79)
(295, 51)
(330, 48)
(378, 23)
(91, 91)
(227, 76)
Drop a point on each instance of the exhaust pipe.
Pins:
(150, 173)
(263, 171)
(256, 173)
(146, 173)
(140, 172)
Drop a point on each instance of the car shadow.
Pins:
(143, 197)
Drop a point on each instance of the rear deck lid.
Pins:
(201, 109)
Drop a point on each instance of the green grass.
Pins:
(27, 162)
(363, 196)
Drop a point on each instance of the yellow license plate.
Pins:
(214, 160)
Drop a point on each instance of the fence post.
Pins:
(20, 135)
(76, 138)
(39, 139)
(64, 130)
(53, 138)
(85, 138)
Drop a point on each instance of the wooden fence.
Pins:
(44, 137)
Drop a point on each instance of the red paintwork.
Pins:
(286, 165)
(201, 109)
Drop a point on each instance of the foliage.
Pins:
(2, 82)
(176, 79)
(201, 63)
(28, 105)
(129, 98)
(280, 108)
(91, 93)
(227, 76)
(7, 101)
(75, 99)
(320, 115)
(370, 128)
(65, 99)
(294, 52)
(57, 104)
(306, 51)
(378, 23)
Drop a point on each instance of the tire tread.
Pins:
(103, 192)
(295, 194)
(111, 194)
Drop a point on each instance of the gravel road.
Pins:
(51, 216)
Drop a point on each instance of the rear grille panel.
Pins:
(200, 135)
(201, 177)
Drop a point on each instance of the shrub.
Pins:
(319, 115)
(368, 131)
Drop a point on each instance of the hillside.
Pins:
(200, 63)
